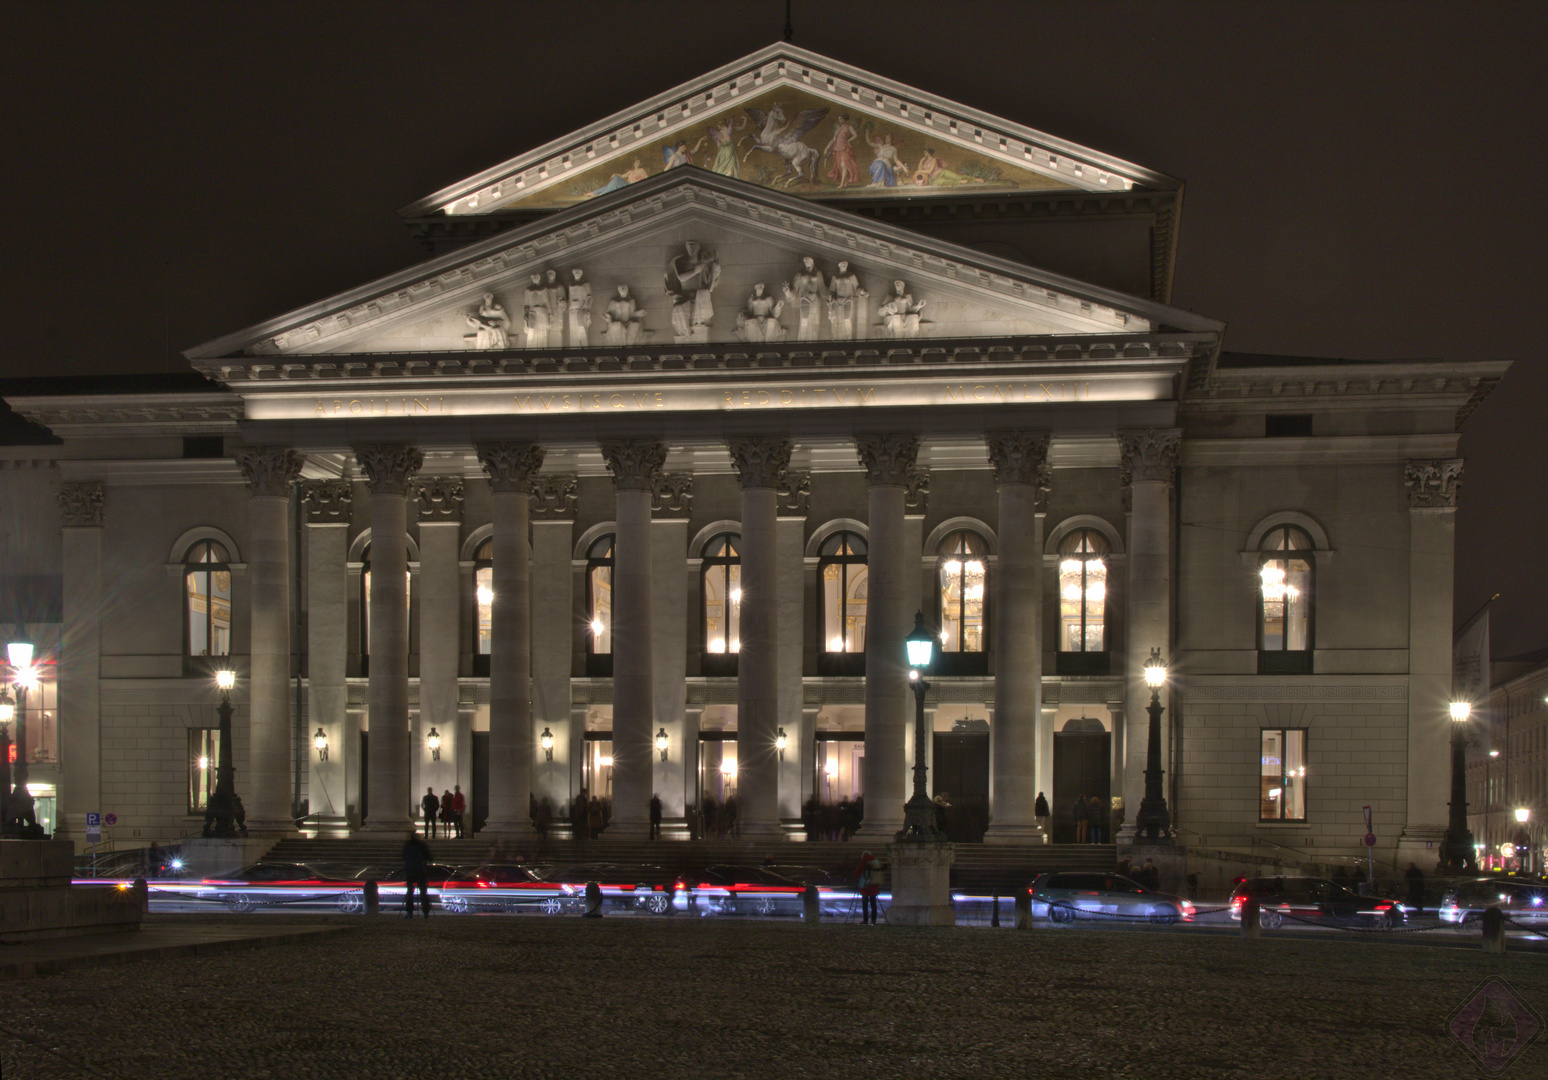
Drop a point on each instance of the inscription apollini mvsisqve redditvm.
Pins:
(688, 399)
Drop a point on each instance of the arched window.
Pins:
(1285, 602)
(365, 602)
(483, 606)
(722, 580)
(962, 579)
(1083, 647)
(842, 582)
(599, 607)
(207, 589)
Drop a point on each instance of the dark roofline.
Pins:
(151, 382)
(1271, 360)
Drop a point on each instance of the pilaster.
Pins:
(326, 505)
(80, 657)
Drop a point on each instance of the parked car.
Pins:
(1315, 900)
(501, 887)
(1521, 900)
(274, 883)
(1064, 897)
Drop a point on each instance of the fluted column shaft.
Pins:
(635, 467)
(510, 467)
(1020, 462)
(761, 464)
(1149, 464)
(390, 471)
(888, 460)
(269, 471)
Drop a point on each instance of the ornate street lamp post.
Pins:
(220, 814)
(1523, 839)
(20, 821)
(919, 811)
(1457, 845)
(1153, 824)
(7, 714)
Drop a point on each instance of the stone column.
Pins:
(269, 471)
(80, 659)
(761, 463)
(326, 504)
(671, 506)
(795, 773)
(1020, 460)
(1149, 467)
(1433, 486)
(440, 635)
(552, 509)
(510, 467)
(390, 469)
(888, 461)
(636, 466)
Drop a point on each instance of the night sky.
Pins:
(1363, 180)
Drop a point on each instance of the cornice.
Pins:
(132, 414)
(174, 471)
(1332, 451)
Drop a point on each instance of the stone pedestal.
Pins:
(921, 885)
(38, 901)
(1170, 860)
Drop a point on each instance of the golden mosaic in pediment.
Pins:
(804, 144)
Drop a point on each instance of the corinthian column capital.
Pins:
(760, 460)
(1149, 455)
(326, 501)
(270, 469)
(635, 463)
(80, 502)
(1019, 457)
(390, 468)
(510, 466)
(1433, 482)
(888, 459)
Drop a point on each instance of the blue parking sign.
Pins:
(93, 819)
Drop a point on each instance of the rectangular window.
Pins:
(1282, 775)
(42, 726)
(1287, 425)
(203, 756)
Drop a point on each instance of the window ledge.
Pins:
(1278, 825)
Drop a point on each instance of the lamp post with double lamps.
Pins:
(1457, 845)
(220, 814)
(1153, 823)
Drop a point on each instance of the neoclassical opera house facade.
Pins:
(636, 485)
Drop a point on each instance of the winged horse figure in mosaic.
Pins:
(782, 135)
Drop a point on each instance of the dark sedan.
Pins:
(271, 884)
(1315, 901)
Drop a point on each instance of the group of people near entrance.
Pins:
(448, 810)
(1090, 819)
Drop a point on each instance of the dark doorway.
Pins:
(480, 779)
(365, 774)
(962, 773)
(1082, 766)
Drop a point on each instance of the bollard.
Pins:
(1024, 909)
(373, 899)
(142, 895)
(994, 918)
(1494, 931)
(593, 901)
(1252, 926)
(811, 908)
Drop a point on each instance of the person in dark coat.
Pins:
(655, 817)
(431, 805)
(1415, 878)
(868, 885)
(1096, 819)
(1042, 812)
(416, 871)
(1078, 813)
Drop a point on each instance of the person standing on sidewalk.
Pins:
(655, 817)
(459, 807)
(1078, 813)
(431, 806)
(416, 871)
(1041, 810)
(868, 885)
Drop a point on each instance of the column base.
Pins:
(879, 830)
(376, 827)
(921, 884)
(1015, 833)
(626, 830)
(272, 830)
(763, 830)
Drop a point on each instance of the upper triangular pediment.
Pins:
(638, 238)
(792, 119)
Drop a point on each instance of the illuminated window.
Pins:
(843, 585)
(207, 605)
(483, 605)
(365, 601)
(599, 607)
(1285, 602)
(722, 579)
(1083, 592)
(962, 603)
(203, 756)
(1282, 775)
